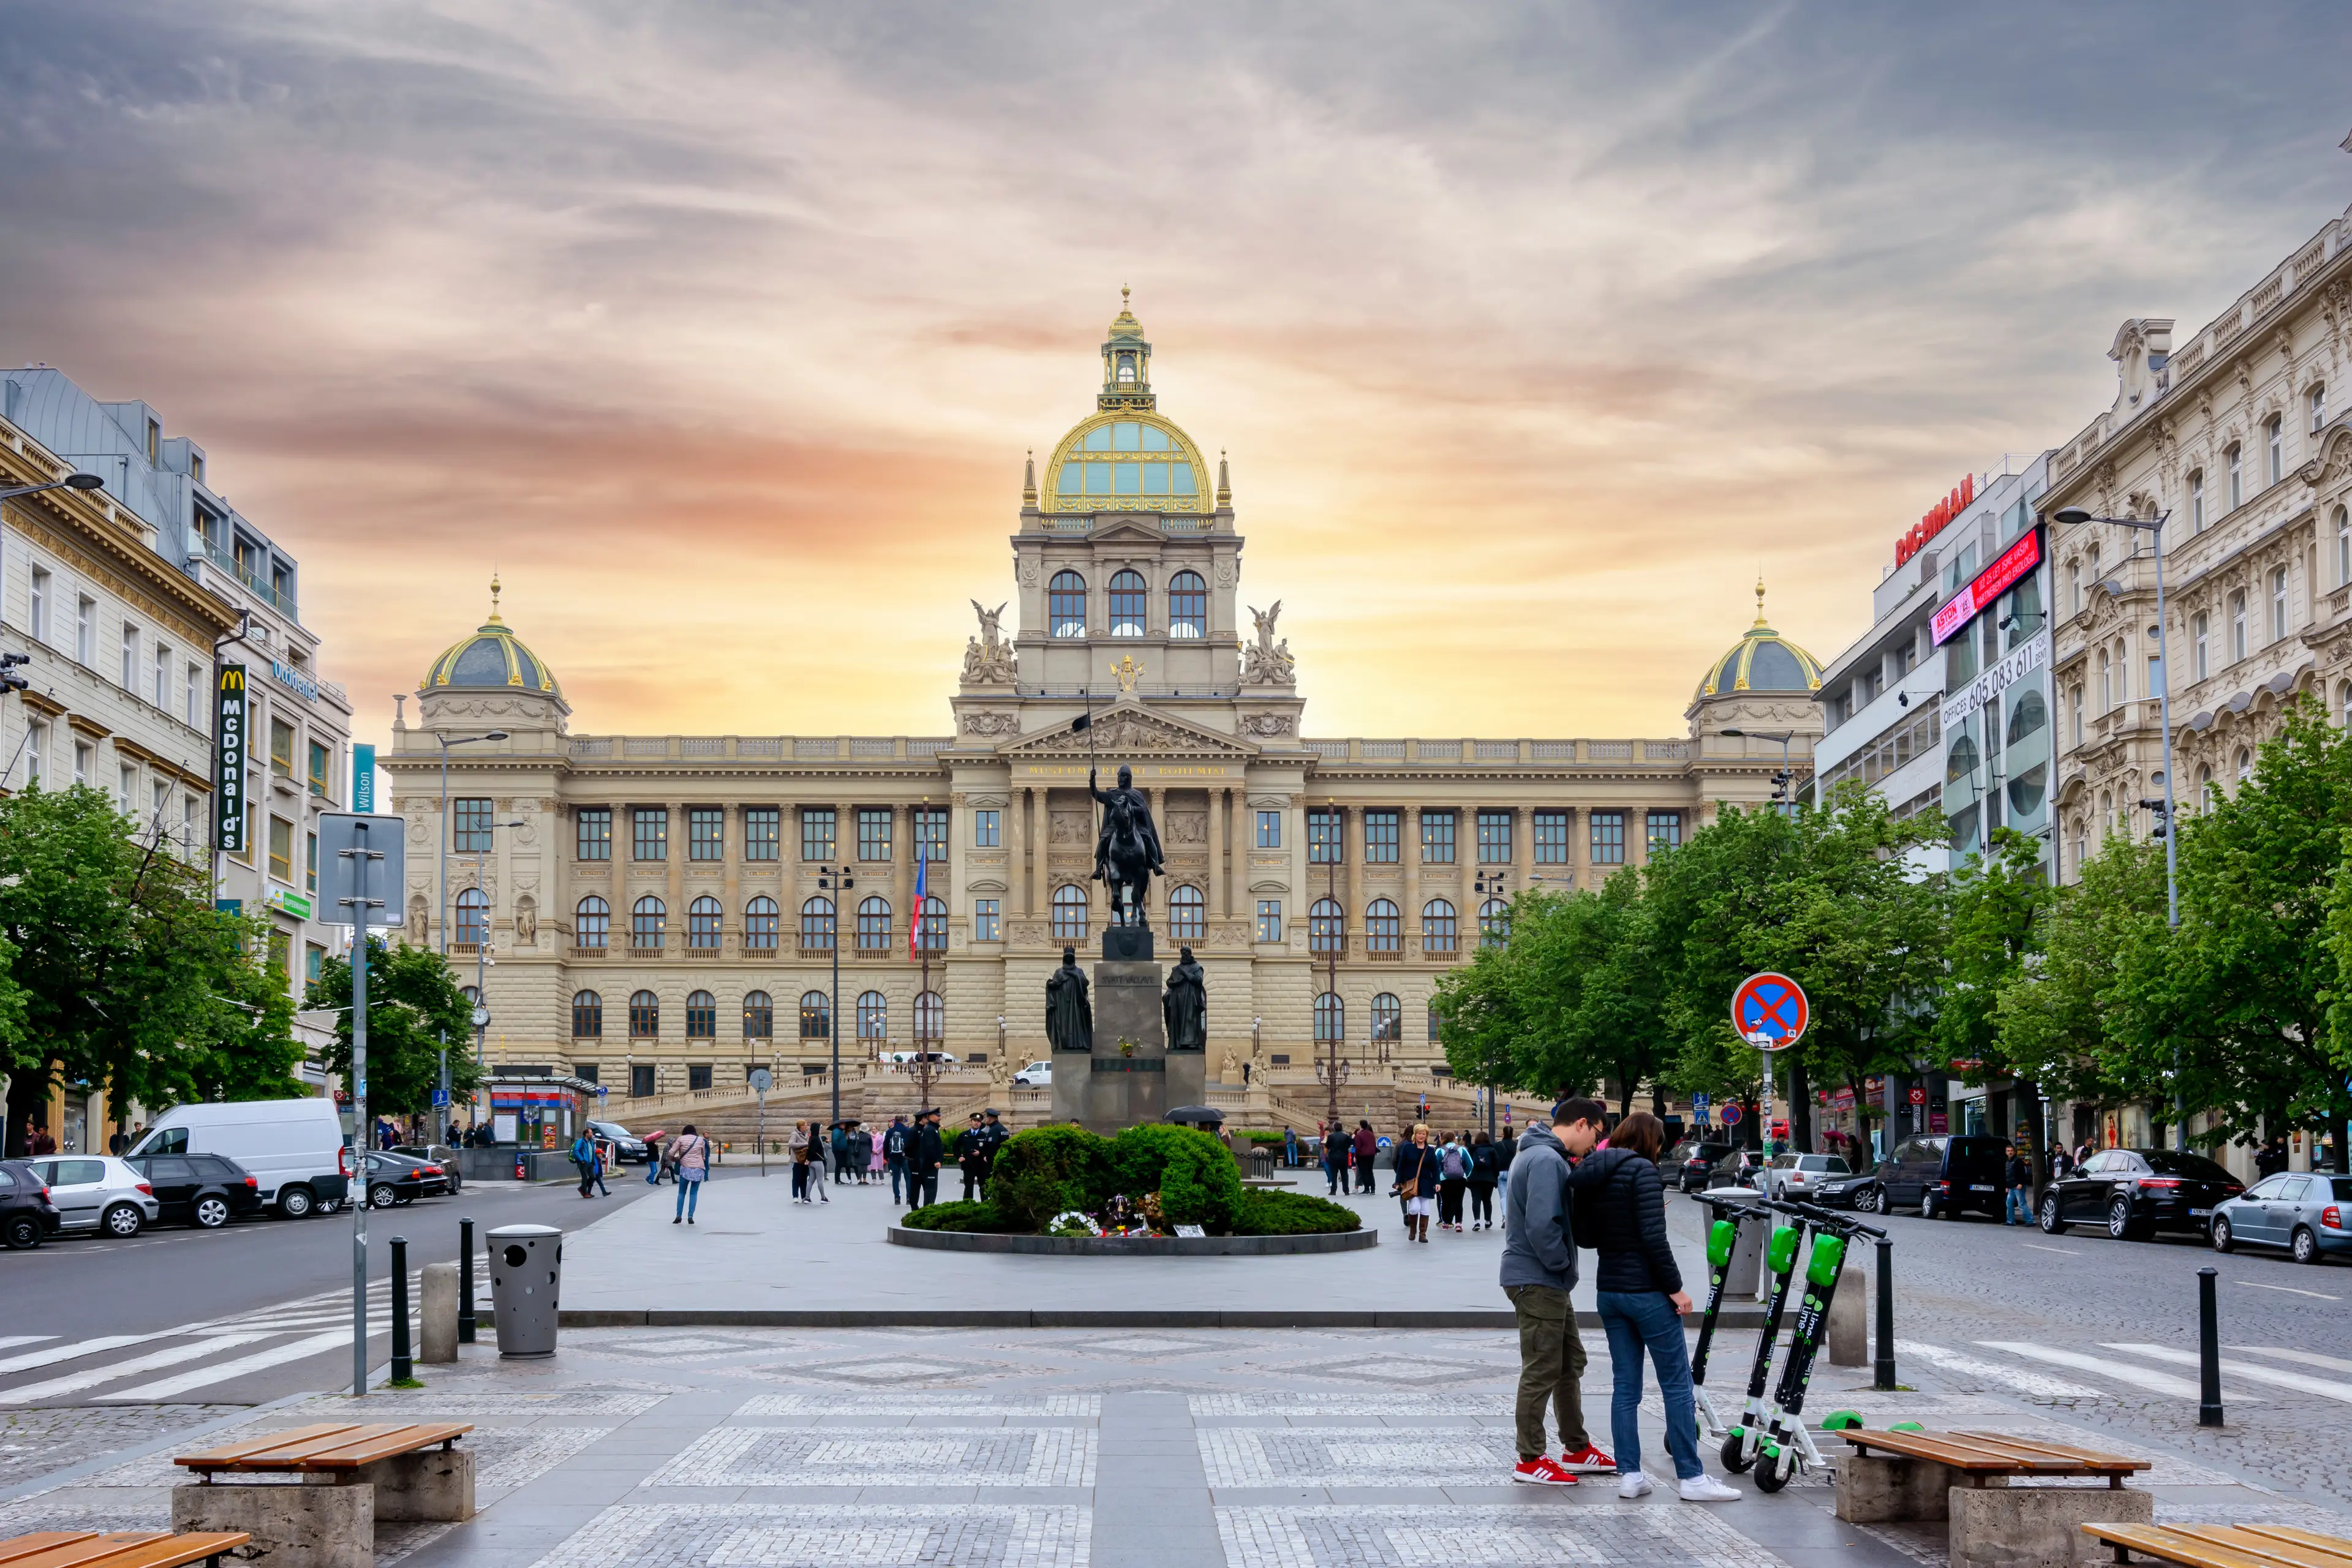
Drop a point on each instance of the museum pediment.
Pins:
(1127, 730)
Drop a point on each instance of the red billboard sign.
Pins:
(2011, 565)
(1936, 516)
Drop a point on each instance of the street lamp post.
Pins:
(2154, 528)
(71, 482)
(1338, 1069)
(1489, 884)
(1784, 787)
(447, 741)
(481, 1009)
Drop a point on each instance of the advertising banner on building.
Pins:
(1989, 584)
(2023, 660)
(231, 741)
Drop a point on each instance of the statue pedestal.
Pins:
(1109, 1092)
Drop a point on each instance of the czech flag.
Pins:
(922, 882)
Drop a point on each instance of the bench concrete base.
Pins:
(291, 1526)
(1872, 1488)
(2039, 1527)
(434, 1484)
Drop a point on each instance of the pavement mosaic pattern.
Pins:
(1618, 1535)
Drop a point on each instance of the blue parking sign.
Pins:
(440, 1097)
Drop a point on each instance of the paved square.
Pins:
(885, 1402)
(882, 1372)
(1404, 1371)
(778, 1535)
(890, 1457)
(1656, 1534)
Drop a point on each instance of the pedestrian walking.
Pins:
(1485, 1167)
(923, 1156)
(1290, 1148)
(839, 1142)
(1368, 1146)
(796, 1149)
(2019, 1177)
(584, 1159)
(873, 1154)
(1622, 1202)
(1418, 1174)
(1538, 1273)
(1335, 1162)
(608, 1157)
(1453, 1181)
(2061, 1163)
(894, 1154)
(968, 1158)
(693, 1165)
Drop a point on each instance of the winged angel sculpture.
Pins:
(988, 658)
(1267, 662)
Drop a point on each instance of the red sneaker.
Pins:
(1587, 1459)
(1541, 1472)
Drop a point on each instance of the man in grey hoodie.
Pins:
(1538, 1271)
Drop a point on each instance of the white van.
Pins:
(293, 1149)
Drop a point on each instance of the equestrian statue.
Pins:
(1128, 852)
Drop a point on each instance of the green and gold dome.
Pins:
(492, 658)
(1127, 457)
(1763, 660)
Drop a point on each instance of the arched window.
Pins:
(644, 1016)
(592, 921)
(1126, 600)
(816, 1015)
(645, 922)
(1065, 605)
(1330, 1019)
(1188, 606)
(701, 1016)
(2198, 653)
(1069, 912)
(2344, 702)
(1494, 923)
(702, 918)
(2245, 764)
(473, 997)
(1327, 927)
(1388, 1019)
(873, 1016)
(759, 1015)
(2106, 681)
(587, 1015)
(1437, 926)
(2204, 783)
(2107, 814)
(2196, 501)
(2274, 442)
(816, 925)
(761, 917)
(935, 925)
(1187, 914)
(930, 1020)
(2343, 546)
(2237, 625)
(473, 917)
(2237, 477)
(873, 925)
(1383, 930)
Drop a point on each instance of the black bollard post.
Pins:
(465, 1281)
(403, 1366)
(2209, 1351)
(1885, 1335)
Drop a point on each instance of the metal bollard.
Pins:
(2209, 1351)
(403, 1366)
(465, 1280)
(1885, 1331)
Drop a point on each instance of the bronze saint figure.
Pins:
(1128, 852)
(1069, 1020)
(1185, 1007)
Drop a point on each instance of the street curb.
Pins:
(1046, 1318)
(1136, 1245)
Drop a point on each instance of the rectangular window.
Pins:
(1437, 837)
(191, 697)
(1379, 838)
(931, 832)
(698, 1076)
(1608, 837)
(763, 827)
(86, 631)
(1269, 830)
(2278, 603)
(874, 832)
(985, 830)
(84, 755)
(593, 830)
(706, 833)
(314, 963)
(649, 832)
(1494, 839)
(245, 857)
(281, 948)
(470, 825)
(281, 849)
(162, 682)
(1551, 838)
(37, 735)
(1323, 829)
(641, 1079)
(130, 658)
(40, 605)
(322, 764)
(1269, 920)
(281, 749)
(311, 862)
(1666, 830)
(984, 920)
(126, 787)
(816, 833)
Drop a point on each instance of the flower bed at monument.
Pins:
(1148, 1181)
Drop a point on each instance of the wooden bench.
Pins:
(1964, 1478)
(367, 1474)
(117, 1549)
(2224, 1546)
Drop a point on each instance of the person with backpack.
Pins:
(584, 1159)
(693, 1155)
(1453, 1181)
(1485, 1165)
(894, 1155)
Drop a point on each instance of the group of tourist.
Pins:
(910, 1156)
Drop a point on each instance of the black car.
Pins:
(27, 1218)
(1943, 1175)
(2134, 1193)
(207, 1190)
(1692, 1161)
(403, 1179)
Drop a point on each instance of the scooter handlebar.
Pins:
(1829, 1218)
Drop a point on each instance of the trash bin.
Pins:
(1744, 1275)
(526, 1268)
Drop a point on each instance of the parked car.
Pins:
(1944, 1175)
(27, 1218)
(1740, 1168)
(1036, 1075)
(2135, 1192)
(205, 1190)
(1855, 1190)
(628, 1149)
(1801, 1175)
(1690, 1162)
(440, 1154)
(293, 1149)
(97, 1193)
(402, 1179)
(2305, 1212)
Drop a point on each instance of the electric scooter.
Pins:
(1742, 1442)
(1722, 1242)
(1788, 1444)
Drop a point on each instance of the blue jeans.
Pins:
(2019, 1207)
(1633, 1318)
(690, 1192)
(898, 1177)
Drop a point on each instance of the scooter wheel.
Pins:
(1772, 1474)
(1735, 1454)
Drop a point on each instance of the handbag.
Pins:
(1408, 1189)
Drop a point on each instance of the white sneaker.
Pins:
(1634, 1484)
(1706, 1488)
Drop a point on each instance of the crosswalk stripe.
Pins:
(80, 1348)
(2268, 1374)
(75, 1381)
(23, 1339)
(276, 1355)
(2035, 1384)
(2305, 1358)
(2122, 1371)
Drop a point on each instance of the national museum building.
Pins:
(667, 910)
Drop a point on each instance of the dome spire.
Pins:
(1224, 481)
(1760, 625)
(494, 597)
(1029, 479)
(1127, 364)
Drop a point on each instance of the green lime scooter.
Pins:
(1743, 1441)
(1722, 1241)
(1788, 1444)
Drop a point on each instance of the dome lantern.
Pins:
(1763, 660)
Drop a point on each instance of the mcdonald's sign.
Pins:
(231, 742)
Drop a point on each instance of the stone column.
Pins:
(1409, 851)
(1465, 860)
(1041, 823)
(902, 872)
(674, 862)
(1216, 889)
(1523, 844)
(730, 908)
(624, 838)
(1351, 875)
(1158, 903)
(1016, 852)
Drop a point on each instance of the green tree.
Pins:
(414, 1005)
(1998, 903)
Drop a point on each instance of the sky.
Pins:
(1535, 333)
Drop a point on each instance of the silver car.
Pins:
(2308, 1213)
(1799, 1175)
(97, 1193)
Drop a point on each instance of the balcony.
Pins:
(645, 952)
(213, 552)
(582, 950)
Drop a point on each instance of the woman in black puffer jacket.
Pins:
(1621, 1210)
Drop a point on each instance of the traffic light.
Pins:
(9, 679)
(1780, 784)
(2163, 818)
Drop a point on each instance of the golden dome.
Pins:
(1763, 660)
(492, 657)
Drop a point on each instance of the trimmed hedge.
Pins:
(960, 1215)
(1264, 1213)
(1047, 1170)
